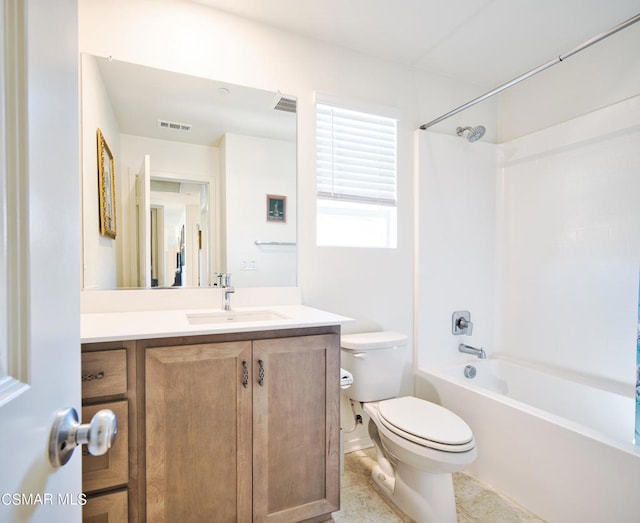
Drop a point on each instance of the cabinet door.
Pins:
(296, 427)
(198, 433)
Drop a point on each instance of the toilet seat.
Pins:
(426, 424)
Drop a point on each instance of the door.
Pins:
(158, 255)
(39, 256)
(143, 193)
(296, 428)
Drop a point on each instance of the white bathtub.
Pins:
(561, 447)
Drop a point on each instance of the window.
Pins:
(356, 178)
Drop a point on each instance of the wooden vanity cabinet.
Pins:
(240, 428)
(234, 428)
(108, 382)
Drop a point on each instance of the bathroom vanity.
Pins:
(219, 421)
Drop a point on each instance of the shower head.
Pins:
(475, 133)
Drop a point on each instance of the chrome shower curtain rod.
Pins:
(535, 71)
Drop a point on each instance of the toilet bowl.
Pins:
(419, 444)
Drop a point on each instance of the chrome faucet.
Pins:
(461, 323)
(225, 283)
(468, 349)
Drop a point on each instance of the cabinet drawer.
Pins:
(104, 373)
(109, 508)
(110, 469)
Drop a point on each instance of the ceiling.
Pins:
(141, 96)
(483, 42)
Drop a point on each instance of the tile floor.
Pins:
(363, 502)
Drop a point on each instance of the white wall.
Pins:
(255, 167)
(171, 160)
(571, 198)
(100, 253)
(457, 244)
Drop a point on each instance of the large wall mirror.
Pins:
(199, 166)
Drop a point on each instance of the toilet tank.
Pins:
(376, 360)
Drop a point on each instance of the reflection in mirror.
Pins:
(194, 162)
(178, 210)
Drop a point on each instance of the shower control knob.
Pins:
(466, 326)
(461, 323)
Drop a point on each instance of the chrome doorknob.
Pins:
(67, 434)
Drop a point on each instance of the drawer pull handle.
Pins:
(245, 374)
(261, 373)
(91, 377)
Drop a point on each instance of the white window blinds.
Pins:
(356, 156)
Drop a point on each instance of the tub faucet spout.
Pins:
(468, 349)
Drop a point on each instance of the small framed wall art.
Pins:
(276, 208)
(106, 188)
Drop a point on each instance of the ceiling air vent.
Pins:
(165, 124)
(286, 104)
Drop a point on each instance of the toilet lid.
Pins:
(372, 340)
(422, 420)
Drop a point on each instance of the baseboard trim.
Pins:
(357, 444)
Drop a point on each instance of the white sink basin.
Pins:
(233, 317)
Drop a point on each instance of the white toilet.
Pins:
(419, 444)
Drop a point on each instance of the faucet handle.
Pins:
(466, 326)
(224, 279)
(461, 323)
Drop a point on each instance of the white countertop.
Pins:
(132, 325)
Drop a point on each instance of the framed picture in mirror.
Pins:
(276, 208)
(106, 188)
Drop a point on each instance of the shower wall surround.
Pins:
(457, 246)
(555, 271)
(571, 244)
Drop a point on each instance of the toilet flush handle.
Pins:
(360, 355)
